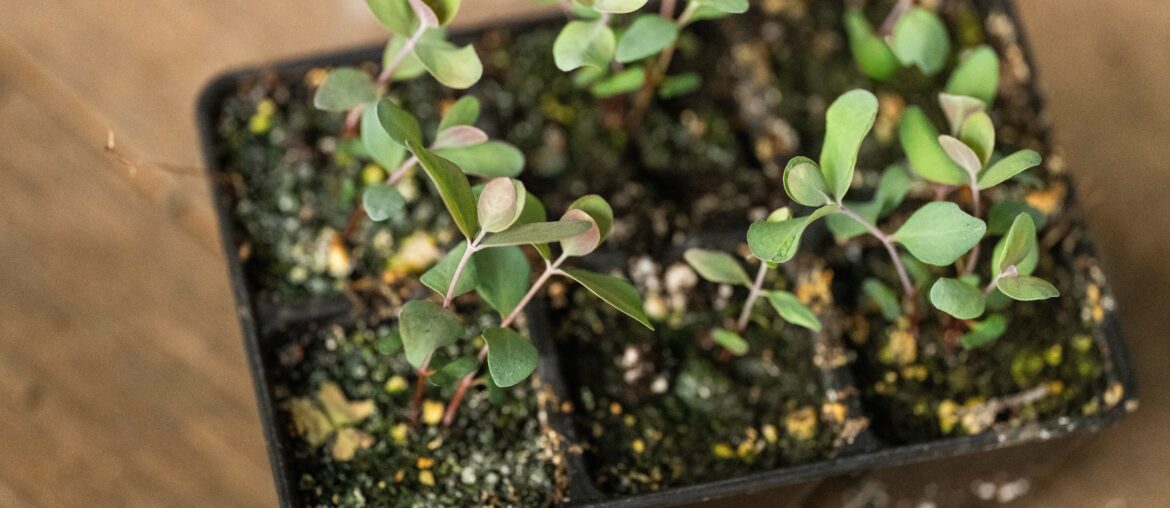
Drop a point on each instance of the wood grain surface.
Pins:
(122, 371)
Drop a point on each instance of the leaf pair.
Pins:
(722, 268)
(847, 122)
(919, 39)
(948, 160)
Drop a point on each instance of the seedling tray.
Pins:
(996, 454)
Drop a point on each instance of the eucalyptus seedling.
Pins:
(637, 56)
(722, 268)
(503, 217)
(909, 37)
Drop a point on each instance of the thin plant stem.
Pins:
(895, 14)
(753, 294)
(903, 276)
(472, 246)
(655, 75)
(420, 389)
(666, 8)
(977, 207)
(396, 61)
(465, 383)
(1011, 271)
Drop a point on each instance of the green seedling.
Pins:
(909, 37)
(636, 56)
(722, 268)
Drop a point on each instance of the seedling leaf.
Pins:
(920, 38)
(984, 332)
(598, 209)
(1027, 288)
(727, 6)
(884, 297)
(939, 233)
(459, 136)
(410, 67)
(614, 291)
(511, 357)
(804, 183)
(730, 340)
(1003, 214)
(343, 89)
(500, 204)
(978, 133)
(452, 186)
(958, 108)
(962, 154)
(626, 81)
(647, 35)
(449, 374)
(503, 277)
(395, 15)
(777, 242)
(397, 123)
(872, 54)
(1008, 167)
(718, 267)
(538, 233)
(425, 327)
(382, 202)
(793, 310)
(1017, 245)
(450, 65)
(614, 6)
(387, 152)
(977, 75)
(920, 142)
(584, 242)
(465, 111)
(489, 160)
(847, 121)
(584, 43)
(679, 85)
(957, 298)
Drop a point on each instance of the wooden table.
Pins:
(122, 374)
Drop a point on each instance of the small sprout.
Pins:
(920, 39)
(847, 122)
(382, 202)
(984, 332)
(511, 356)
(730, 340)
(614, 291)
(957, 108)
(426, 327)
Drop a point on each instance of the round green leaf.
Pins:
(647, 35)
(872, 54)
(939, 233)
(425, 327)
(803, 182)
(387, 152)
(847, 121)
(382, 202)
(1008, 167)
(452, 186)
(614, 291)
(920, 142)
(438, 278)
(920, 38)
(978, 133)
(730, 340)
(397, 123)
(511, 357)
(395, 15)
(626, 81)
(977, 75)
(718, 267)
(465, 111)
(1027, 288)
(502, 277)
(500, 204)
(584, 43)
(488, 160)
(343, 89)
(450, 65)
(957, 298)
(794, 311)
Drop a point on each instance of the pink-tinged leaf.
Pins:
(425, 14)
(962, 154)
(459, 136)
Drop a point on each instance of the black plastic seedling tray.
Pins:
(996, 455)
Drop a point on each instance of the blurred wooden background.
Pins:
(122, 373)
